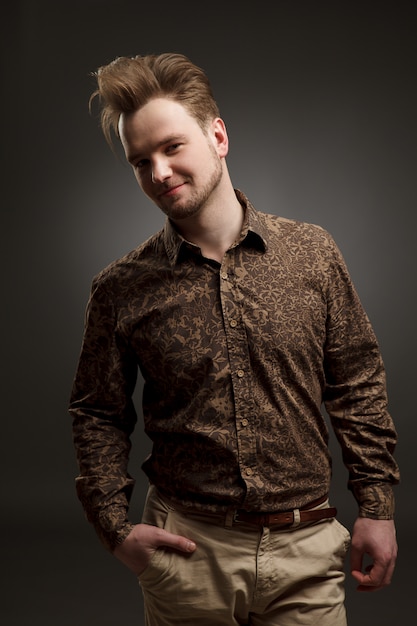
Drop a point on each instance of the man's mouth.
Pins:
(170, 191)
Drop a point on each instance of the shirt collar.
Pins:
(253, 233)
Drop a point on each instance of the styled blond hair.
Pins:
(128, 83)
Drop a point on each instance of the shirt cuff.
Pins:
(112, 526)
(375, 501)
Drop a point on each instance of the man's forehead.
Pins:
(158, 122)
(159, 109)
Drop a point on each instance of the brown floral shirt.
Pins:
(237, 360)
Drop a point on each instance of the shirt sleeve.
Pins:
(356, 397)
(103, 419)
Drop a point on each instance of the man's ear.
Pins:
(219, 137)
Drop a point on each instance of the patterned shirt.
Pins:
(237, 360)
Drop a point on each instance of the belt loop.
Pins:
(229, 518)
(297, 518)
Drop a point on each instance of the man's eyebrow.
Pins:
(169, 139)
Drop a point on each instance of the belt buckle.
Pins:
(262, 519)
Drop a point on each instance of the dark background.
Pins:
(320, 102)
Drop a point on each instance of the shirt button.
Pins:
(240, 373)
(244, 422)
(233, 323)
(223, 275)
(248, 471)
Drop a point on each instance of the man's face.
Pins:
(176, 164)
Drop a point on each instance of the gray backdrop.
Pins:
(320, 103)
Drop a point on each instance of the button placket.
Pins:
(240, 366)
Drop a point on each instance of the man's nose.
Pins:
(161, 170)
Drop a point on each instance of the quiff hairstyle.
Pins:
(128, 83)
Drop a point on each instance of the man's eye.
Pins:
(141, 164)
(173, 147)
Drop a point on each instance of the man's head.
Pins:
(126, 84)
(163, 111)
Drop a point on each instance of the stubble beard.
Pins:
(183, 209)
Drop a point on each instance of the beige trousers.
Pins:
(243, 574)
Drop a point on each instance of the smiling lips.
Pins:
(171, 190)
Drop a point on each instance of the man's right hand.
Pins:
(141, 543)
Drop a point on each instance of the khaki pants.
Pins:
(243, 574)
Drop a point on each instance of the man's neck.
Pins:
(216, 228)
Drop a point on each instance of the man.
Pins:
(242, 324)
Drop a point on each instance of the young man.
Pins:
(242, 324)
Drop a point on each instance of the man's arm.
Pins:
(356, 400)
(103, 420)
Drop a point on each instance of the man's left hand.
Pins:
(375, 538)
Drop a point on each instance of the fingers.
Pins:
(376, 539)
(138, 548)
(356, 557)
(169, 540)
(376, 576)
(367, 582)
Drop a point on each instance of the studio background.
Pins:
(320, 102)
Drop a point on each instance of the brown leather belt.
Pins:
(286, 518)
(307, 513)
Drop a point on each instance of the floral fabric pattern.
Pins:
(237, 361)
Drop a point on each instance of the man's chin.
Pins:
(177, 211)
(178, 215)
